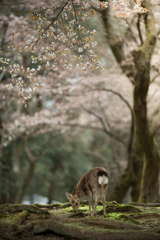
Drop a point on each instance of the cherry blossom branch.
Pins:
(45, 31)
(4, 70)
(76, 20)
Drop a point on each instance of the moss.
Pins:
(113, 215)
(8, 226)
(112, 203)
(2, 216)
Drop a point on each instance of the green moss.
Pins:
(2, 216)
(113, 215)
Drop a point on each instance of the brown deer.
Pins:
(89, 184)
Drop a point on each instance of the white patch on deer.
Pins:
(102, 180)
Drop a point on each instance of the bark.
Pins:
(137, 164)
(116, 44)
(51, 191)
(5, 166)
(142, 58)
(125, 180)
(1, 160)
(1, 132)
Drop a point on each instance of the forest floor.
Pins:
(58, 221)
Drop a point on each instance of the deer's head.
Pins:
(74, 201)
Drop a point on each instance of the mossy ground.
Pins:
(60, 222)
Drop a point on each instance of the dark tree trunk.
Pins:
(53, 183)
(144, 163)
(151, 160)
(32, 160)
(51, 192)
(25, 182)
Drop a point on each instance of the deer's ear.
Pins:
(68, 196)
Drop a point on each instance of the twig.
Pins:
(111, 141)
(130, 29)
(154, 78)
(112, 91)
(104, 126)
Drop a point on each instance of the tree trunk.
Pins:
(142, 58)
(25, 182)
(32, 160)
(145, 160)
(51, 191)
(53, 184)
(137, 164)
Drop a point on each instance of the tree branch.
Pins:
(92, 128)
(139, 28)
(115, 93)
(111, 140)
(154, 78)
(104, 125)
(129, 29)
(31, 158)
(97, 155)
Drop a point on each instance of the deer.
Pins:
(90, 184)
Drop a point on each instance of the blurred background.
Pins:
(75, 121)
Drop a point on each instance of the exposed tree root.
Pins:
(126, 208)
(145, 204)
(19, 221)
(6, 236)
(77, 233)
(78, 214)
(23, 228)
(113, 225)
(49, 206)
(20, 207)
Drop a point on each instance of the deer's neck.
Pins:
(79, 191)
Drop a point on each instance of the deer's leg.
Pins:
(90, 200)
(96, 194)
(104, 190)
